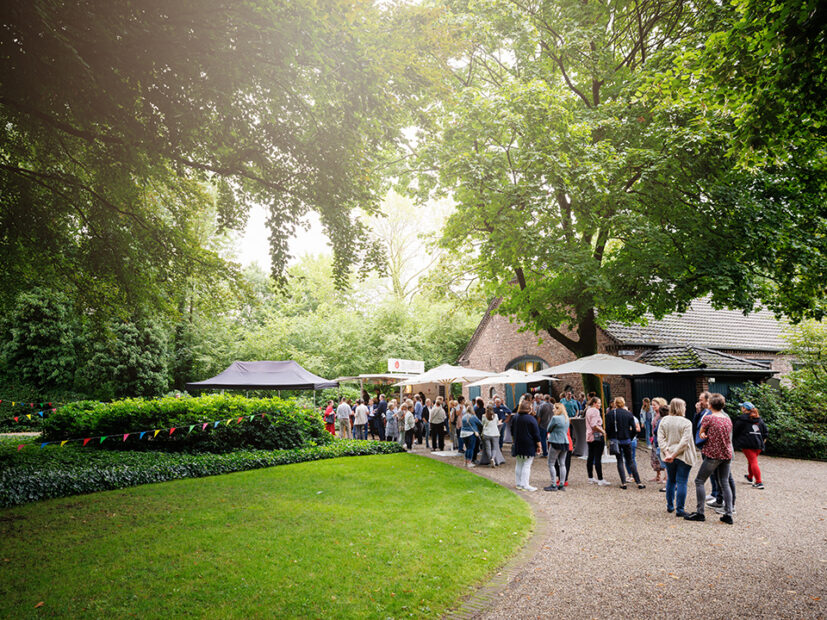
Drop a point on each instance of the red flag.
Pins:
(15, 418)
(172, 430)
(239, 420)
(20, 447)
(125, 436)
(87, 440)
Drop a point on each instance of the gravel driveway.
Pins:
(608, 552)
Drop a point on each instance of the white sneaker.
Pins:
(592, 480)
(471, 465)
(520, 488)
(532, 489)
(603, 483)
(710, 498)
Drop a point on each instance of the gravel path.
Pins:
(607, 552)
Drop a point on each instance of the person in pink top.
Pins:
(716, 428)
(596, 440)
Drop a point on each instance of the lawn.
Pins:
(372, 536)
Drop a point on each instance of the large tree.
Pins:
(589, 202)
(121, 119)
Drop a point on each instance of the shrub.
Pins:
(795, 423)
(32, 475)
(284, 426)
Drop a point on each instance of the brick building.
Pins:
(708, 349)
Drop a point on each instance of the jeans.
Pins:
(557, 457)
(426, 432)
(720, 470)
(677, 475)
(458, 443)
(491, 449)
(647, 425)
(522, 470)
(359, 431)
(502, 434)
(627, 455)
(719, 496)
(438, 436)
(594, 458)
(568, 467)
(544, 443)
(470, 444)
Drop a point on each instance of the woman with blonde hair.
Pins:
(491, 439)
(558, 447)
(677, 449)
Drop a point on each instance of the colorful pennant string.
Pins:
(141, 434)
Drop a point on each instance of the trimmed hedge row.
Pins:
(286, 425)
(34, 475)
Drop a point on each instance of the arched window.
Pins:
(491, 392)
(527, 363)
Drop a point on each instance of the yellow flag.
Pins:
(29, 415)
(228, 421)
(156, 433)
(64, 442)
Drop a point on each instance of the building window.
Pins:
(491, 392)
(528, 363)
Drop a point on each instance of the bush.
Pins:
(796, 425)
(285, 425)
(32, 475)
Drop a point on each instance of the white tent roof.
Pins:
(388, 377)
(602, 364)
(446, 373)
(512, 377)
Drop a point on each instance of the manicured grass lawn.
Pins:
(372, 536)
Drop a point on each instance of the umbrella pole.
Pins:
(606, 458)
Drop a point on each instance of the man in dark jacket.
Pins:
(379, 416)
(621, 425)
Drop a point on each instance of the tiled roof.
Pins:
(700, 358)
(703, 326)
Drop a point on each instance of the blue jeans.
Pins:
(470, 442)
(544, 443)
(677, 474)
(647, 426)
(627, 455)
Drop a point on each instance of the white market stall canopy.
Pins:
(601, 364)
(386, 378)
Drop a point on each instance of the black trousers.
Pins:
(409, 438)
(627, 456)
(594, 459)
(438, 436)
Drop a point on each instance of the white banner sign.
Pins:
(413, 367)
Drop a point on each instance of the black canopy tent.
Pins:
(285, 375)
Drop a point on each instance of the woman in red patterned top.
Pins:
(717, 430)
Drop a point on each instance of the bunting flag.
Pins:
(155, 433)
(29, 415)
(15, 418)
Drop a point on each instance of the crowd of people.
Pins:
(542, 426)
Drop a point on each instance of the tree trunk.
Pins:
(587, 345)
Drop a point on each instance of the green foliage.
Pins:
(40, 341)
(34, 475)
(796, 419)
(807, 343)
(128, 360)
(581, 199)
(285, 426)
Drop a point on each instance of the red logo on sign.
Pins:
(396, 364)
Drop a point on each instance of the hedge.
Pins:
(34, 475)
(796, 425)
(285, 426)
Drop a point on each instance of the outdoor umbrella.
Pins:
(446, 374)
(512, 377)
(601, 365)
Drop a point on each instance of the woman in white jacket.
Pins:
(677, 449)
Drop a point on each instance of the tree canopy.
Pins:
(585, 199)
(121, 121)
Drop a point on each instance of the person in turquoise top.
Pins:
(558, 446)
(571, 405)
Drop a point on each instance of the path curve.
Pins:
(607, 552)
